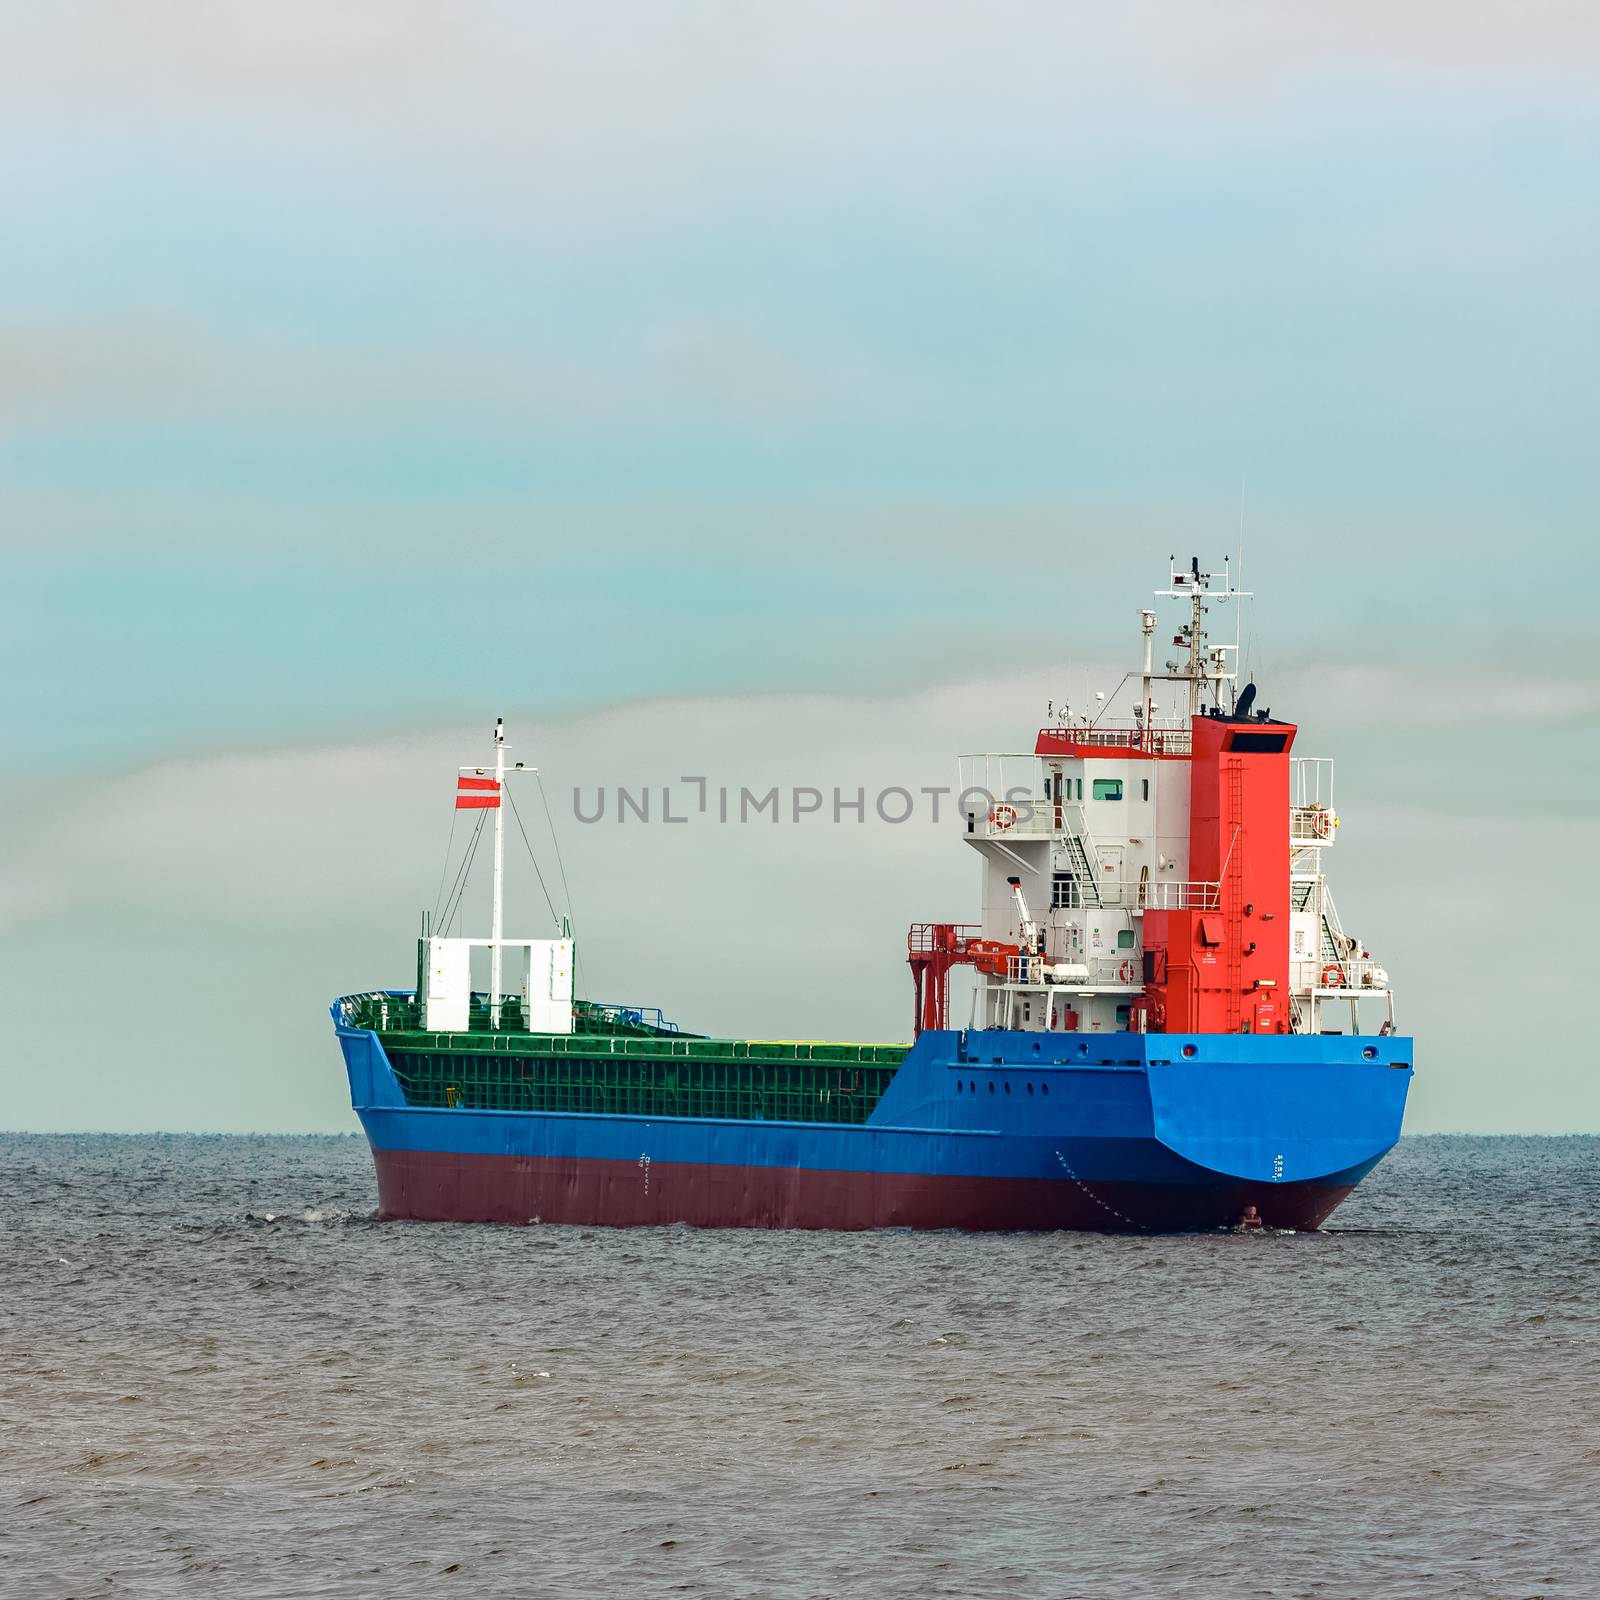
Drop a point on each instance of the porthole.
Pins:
(1044, 1088)
(1370, 1054)
(1188, 1050)
(1030, 1088)
(1008, 1086)
(972, 1087)
(958, 1086)
(991, 1086)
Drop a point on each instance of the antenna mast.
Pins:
(1207, 666)
(497, 904)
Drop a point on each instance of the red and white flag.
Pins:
(471, 794)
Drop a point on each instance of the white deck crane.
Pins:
(1031, 942)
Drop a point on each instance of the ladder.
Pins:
(1084, 868)
(1233, 891)
(1331, 944)
(1335, 947)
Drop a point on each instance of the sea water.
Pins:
(220, 1376)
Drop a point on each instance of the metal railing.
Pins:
(1046, 819)
(1002, 818)
(1155, 740)
(1033, 819)
(1353, 975)
(1311, 782)
(1312, 825)
(922, 940)
(1104, 972)
(1162, 894)
(379, 1010)
(649, 1018)
(402, 1012)
(1129, 894)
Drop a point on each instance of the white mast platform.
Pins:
(445, 969)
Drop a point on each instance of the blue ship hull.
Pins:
(986, 1129)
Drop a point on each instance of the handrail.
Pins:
(1027, 818)
(1313, 824)
(1061, 737)
(1330, 917)
(1035, 971)
(920, 941)
(1353, 975)
(1091, 851)
(1174, 894)
(399, 1011)
(650, 1017)
(1035, 818)
(1311, 781)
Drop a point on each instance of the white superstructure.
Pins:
(1087, 835)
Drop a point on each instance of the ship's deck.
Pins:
(619, 1065)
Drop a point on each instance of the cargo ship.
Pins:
(1167, 1026)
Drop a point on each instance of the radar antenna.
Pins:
(1209, 666)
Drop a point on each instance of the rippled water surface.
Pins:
(219, 1377)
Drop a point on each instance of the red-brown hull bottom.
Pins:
(429, 1186)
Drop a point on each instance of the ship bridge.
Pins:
(1162, 873)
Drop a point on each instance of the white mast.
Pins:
(1197, 644)
(1207, 667)
(499, 870)
(1147, 710)
(546, 1000)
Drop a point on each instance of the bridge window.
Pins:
(1108, 788)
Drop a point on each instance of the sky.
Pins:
(766, 391)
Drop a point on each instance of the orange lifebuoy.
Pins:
(1003, 816)
(1125, 972)
(1333, 976)
(1322, 823)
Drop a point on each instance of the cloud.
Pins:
(212, 907)
(707, 42)
(577, 94)
(1357, 695)
(731, 371)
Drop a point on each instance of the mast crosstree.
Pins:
(547, 990)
